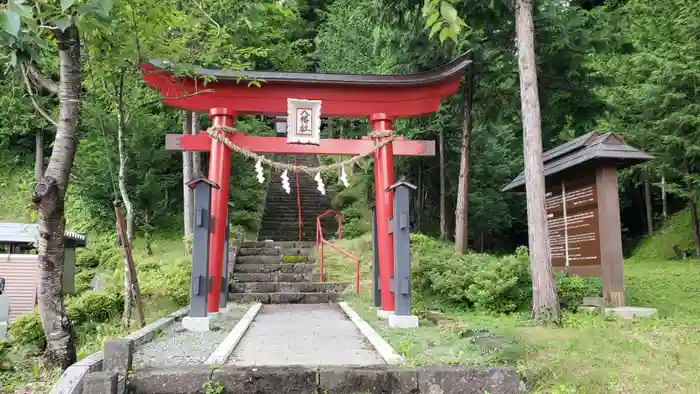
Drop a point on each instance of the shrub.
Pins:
(95, 306)
(87, 258)
(356, 220)
(27, 330)
(485, 282)
(83, 280)
(572, 289)
(501, 285)
(437, 271)
(171, 281)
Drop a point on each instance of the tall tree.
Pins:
(443, 18)
(545, 304)
(27, 28)
(462, 210)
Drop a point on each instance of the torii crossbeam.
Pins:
(379, 98)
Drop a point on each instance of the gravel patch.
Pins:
(177, 347)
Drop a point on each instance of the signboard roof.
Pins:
(27, 233)
(586, 148)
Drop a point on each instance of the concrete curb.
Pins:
(71, 380)
(224, 350)
(386, 352)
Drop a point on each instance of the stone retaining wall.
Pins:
(331, 380)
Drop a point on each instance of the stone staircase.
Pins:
(280, 220)
(279, 273)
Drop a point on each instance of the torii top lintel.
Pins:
(343, 95)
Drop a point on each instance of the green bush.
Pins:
(485, 282)
(27, 330)
(502, 285)
(572, 289)
(83, 280)
(356, 220)
(171, 281)
(95, 306)
(436, 271)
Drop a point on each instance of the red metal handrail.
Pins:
(321, 240)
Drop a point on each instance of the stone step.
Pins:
(288, 244)
(258, 252)
(284, 298)
(243, 252)
(287, 287)
(247, 260)
(269, 268)
(273, 277)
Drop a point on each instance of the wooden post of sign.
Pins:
(610, 233)
(121, 232)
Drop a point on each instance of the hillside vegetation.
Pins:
(676, 230)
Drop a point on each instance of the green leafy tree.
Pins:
(30, 29)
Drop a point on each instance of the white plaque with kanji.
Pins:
(303, 121)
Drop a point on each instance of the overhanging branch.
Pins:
(31, 96)
(40, 79)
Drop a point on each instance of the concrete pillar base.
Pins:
(199, 324)
(397, 321)
(3, 330)
(384, 314)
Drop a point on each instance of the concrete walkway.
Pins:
(299, 334)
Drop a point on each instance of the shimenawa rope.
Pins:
(385, 136)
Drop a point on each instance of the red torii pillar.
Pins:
(219, 173)
(383, 178)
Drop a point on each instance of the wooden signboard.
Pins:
(572, 221)
(583, 210)
(583, 220)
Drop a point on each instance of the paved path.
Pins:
(298, 334)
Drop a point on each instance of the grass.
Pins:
(586, 354)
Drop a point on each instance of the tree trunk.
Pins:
(462, 206)
(545, 305)
(664, 207)
(49, 198)
(39, 155)
(694, 224)
(187, 175)
(443, 223)
(123, 158)
(196, 156)
(647, 203)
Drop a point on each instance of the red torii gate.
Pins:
(380, 98)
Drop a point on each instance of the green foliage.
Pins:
(295, 259)
(676, 230)
(27, 330)
(95, 306)
(170, 281)
(571, 289)
(213, 387)
(502, 285)
(484, 282)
